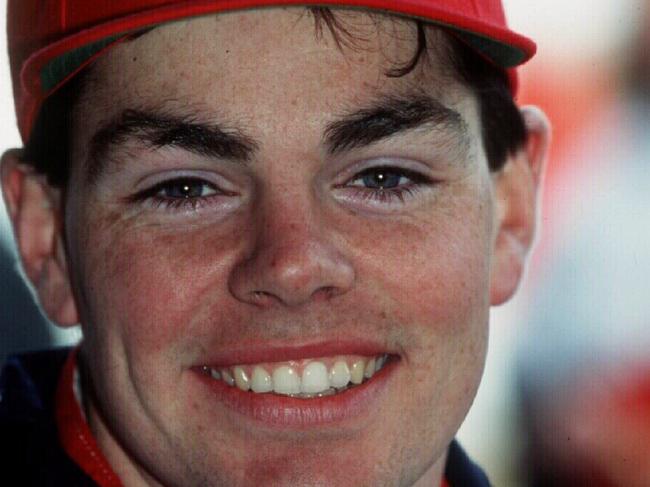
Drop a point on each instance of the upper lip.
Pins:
(252, 353)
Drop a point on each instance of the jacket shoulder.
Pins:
(460, 471)
(30, 452)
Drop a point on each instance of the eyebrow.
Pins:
(391, 115)
(384, 117)
(158, 130)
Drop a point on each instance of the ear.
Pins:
(517, 188)
(35, 212)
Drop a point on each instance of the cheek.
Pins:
(431, 276)
(147, 282)
(434, 271)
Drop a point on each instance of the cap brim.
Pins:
(50, 67)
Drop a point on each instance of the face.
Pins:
(271, 207)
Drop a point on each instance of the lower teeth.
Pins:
(329, 392)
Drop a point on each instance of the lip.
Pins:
(255, 353)
(275, 410)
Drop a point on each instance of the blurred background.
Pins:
(566, 394)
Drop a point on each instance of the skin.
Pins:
(296, 251)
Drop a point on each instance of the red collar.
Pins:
(75, 435)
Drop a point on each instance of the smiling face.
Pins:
(269, 201)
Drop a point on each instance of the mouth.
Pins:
(299, 387)
(304, 379)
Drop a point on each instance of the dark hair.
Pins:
(503, 129)
(49, 145)
(502, 126)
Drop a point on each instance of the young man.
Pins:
(280, 228)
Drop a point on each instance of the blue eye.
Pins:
(382, 178)
(385, 184)
(181, 193)
(184, 189)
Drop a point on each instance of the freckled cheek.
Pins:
(149, 285)
(439, 278)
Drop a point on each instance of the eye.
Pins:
(181, 193)
(382, 178)
(184, 189)
(386, 184)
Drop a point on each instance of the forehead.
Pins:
(268, 67)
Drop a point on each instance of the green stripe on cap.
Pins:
(505, 55)
(59, 68)
(502, 54)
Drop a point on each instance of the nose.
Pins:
(293, 260)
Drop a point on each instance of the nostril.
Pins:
(326, 292)
(261, 297)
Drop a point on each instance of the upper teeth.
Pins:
(305, 378)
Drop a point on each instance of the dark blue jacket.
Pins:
(29, 445)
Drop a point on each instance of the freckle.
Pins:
(382, 315)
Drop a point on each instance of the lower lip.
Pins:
(284, 411)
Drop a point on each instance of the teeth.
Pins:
(241, 379)
(356, 373)
(304, 395)
(339, 375)
(261, 380)
(286, 380)
(379, 363)
(370, 369)
(227, 377)
(314, 378)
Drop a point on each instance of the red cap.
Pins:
(50, 41)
